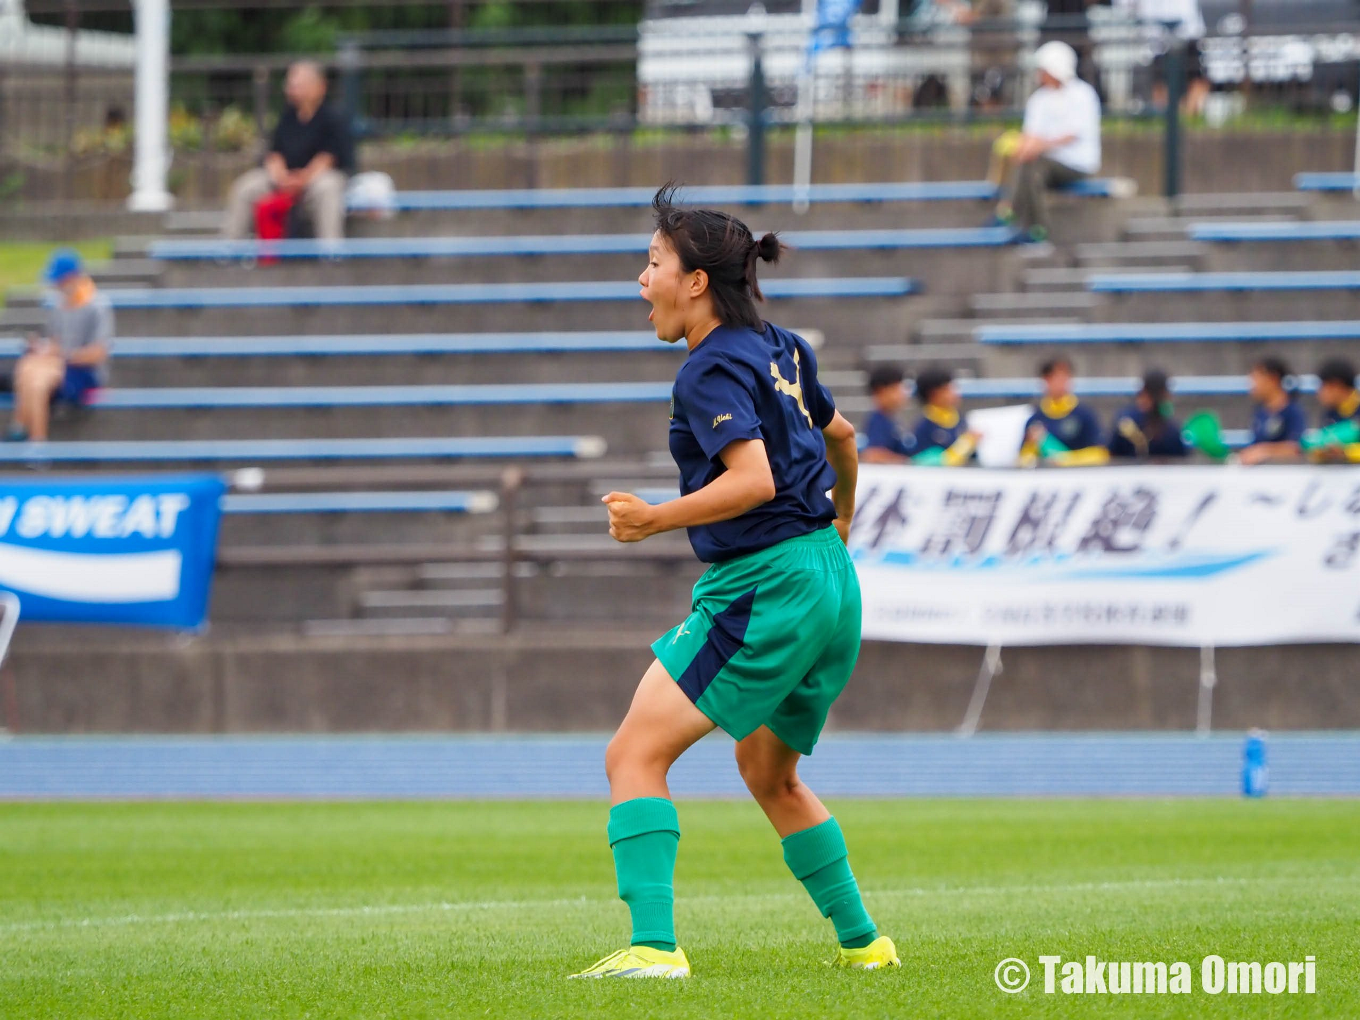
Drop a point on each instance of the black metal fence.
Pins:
(634, 83)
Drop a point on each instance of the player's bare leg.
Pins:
(814, 848)
(644, 830)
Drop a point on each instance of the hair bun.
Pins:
(769, 247)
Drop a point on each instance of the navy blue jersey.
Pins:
(1348, 409)
(1068, 421)
(939, 428)
(882, 432)
(1284, 426)
(740, 384)
(1132, 436)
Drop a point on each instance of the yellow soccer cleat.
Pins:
(879, 953)
(643, 962)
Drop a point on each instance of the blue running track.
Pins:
(994, 765)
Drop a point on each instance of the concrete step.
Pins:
(1027, 306)
(429, 602)
(1173, 228)
(456, 576)
(1074, 280)
(381, 627)
(1139, 254)
(1285, 203)
(942, 337)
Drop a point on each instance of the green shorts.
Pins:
(771, 640)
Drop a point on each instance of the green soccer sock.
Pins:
(644, 834)
(818, 858)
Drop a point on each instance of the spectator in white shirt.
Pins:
(1184, 20)
(1058, 145)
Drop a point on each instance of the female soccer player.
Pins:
(775, 627)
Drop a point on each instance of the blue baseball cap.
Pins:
(62, 264)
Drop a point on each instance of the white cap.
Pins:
(1057, 59)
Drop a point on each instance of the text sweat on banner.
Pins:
(111, 550)
(1160, 555)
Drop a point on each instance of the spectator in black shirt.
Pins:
(310, 155)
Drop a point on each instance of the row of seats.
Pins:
(239, 397)
(727, 195)
(615, 244)
(441, 501)
(560, 244)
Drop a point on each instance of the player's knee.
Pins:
(627, 756)
(766, 783)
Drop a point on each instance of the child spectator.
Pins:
(72, 357)
(1279, 421)
(941, 435)
(1147, 429)
(885, 442)
(1063, 431)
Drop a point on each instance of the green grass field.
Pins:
(478, 909)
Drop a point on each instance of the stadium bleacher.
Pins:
(340, 359)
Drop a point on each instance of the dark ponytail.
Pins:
(724, 248)
(1157, 388)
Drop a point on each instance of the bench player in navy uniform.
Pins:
(1063, 431)
(1147, 429)
(1337, 440)
(885, 440)
(1279, 421)
(941, 435)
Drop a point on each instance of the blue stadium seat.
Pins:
(160, 398)
(568, 244)
(374, 344)
(164, 451)
(473, 293)
(1185, 283)
(507, 394)
(1167, 332)
(1325, 182)
(1315, 230)
(473, 502)
(597, 198)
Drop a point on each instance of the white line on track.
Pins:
(394, 909)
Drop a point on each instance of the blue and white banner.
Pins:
(1187, 556)
(111, 550)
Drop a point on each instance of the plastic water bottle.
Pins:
(1255, 775)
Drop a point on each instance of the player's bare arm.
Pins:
(746, 484)
(843, 456)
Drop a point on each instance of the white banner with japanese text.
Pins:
(1159, 555)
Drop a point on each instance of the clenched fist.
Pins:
(631, 519)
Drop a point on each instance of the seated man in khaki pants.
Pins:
(311, 155)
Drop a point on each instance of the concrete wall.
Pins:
(570, 680)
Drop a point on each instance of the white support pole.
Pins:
(1356, 192)
(9, 619)
(151, 155)
(802, 141)
(991, 666)
(1208, 679)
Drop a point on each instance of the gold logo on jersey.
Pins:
(793, 389)
(720, 419)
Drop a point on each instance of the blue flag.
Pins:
(833, 26)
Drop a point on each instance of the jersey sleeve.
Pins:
(821, 405)
(718, 406)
